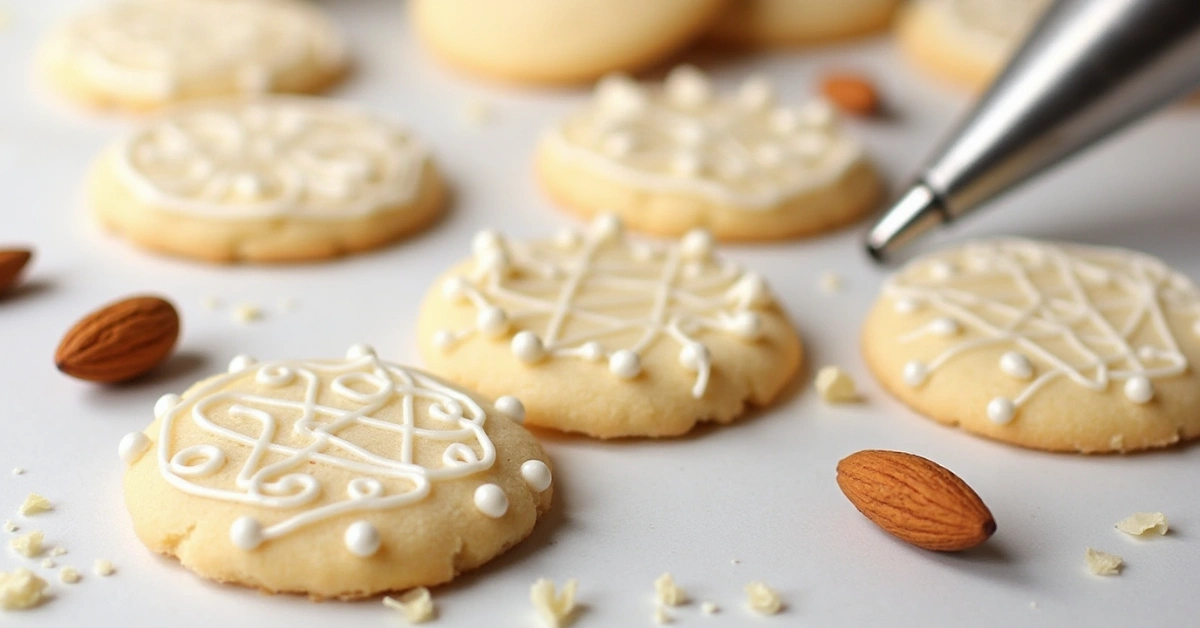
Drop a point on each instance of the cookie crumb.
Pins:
(103, 568)
(69, 575)
(555, 609)
(18, 471)
(10, 527)
(709, 608)
(1139, 523)
(417, 605)
(831, 283)
(836, 386)
(1103, 563)
(246, 313)
(1033, 605)
(28, 545)
(35, 504)
(762, 599)
(49, 564)
(735, 561)
(58, 551)
(662, 617)
(477, 113)
(20, 589)
(212, 304)
(667, 592)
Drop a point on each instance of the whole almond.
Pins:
(12, 261)
(915, 500)
(119, 341)
(851, 93)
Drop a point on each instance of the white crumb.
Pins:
(18, 471)
(1103, 563)
(10, 527)
(247, 313)
(28, 545)
(69, 575)
(35, 504)
(103, 567)
(667, 592)
(416, 605)
(20, 589)
(1033, 605)
(709, 608)
(762, 599)
(836, 385)
(58, 550)
(1139, 523)
(662, 617)
(831, 282)
(555, 608)
(49, 564)
(735, 562)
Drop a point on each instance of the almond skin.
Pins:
(916, 500)
(851, 93)
(12, 261)
(119, 341)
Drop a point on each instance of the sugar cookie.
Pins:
(1060, 347)
(273, 180)
(679, 156)
(558, 41)
(798, 22)
(143, 54)
(608, 336)
(335, 478)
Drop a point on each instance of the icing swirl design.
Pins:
(583, 290)
(1092, 315)
(282, 156)
(745, 150)
(999, 24)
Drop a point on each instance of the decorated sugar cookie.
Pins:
(271, 180)
(682, 155)
(142, 54)
(1061, 347)
(798, 22)
(333, 478)
(610, 336)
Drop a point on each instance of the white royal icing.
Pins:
(582, 290)
(156, 48)
(133, 446)
(994, 25)
(742, 149)
(278, 156)
(1090, 314)
(306, 422)
(536, 474)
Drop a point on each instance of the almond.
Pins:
(11, 263)
(851, 93)
(119, 341)
(915, 500)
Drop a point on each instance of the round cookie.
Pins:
(279, 179)
(1059, 347)
(799, 22)
(607, 336)
(966, 41)
(558, 41)
(142, 54)
(679, 156)
(335, 479)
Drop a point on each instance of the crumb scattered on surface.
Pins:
(18, 471)
(667, 592)
(762, 599)
(709, 608)
(35, 504)
(1103, 563)
(1139, 523)
(247, 313)
(735, 562)
(10, 527)
(416, 605)
(836, 386)
(661, 616)
(212, 303)
(1033, 605)
(831, 282)
(20, 589)
(69, 575)
(28, 545)
(477, 113)
(555, 608)
(49, 564)
(103, 567)
(58, 550)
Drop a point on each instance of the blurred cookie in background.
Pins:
(799, 22)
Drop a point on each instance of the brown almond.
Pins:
(915, 500)
(851, 93)
(119, 341)
(12, 261)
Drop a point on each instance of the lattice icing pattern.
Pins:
(601, 297)
(1095, 316)
(281, 156)
(744, 149)
(294, 422)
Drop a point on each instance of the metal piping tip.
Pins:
(914, 213)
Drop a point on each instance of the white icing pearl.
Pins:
(915, 373)
(492, 321)
(362, 539)
(1138, 389)
(1146, 352)
(784, 120)
(625, 364)
(567, 239)
(606, 227)
(756, 93)
(494, 261)
(688, 87)
(941, 270)
(620, 94)
(511, 407)
(443, 339)
(454, 289)
(247, 186)
(167, 402)
(818, 114)
(733, 167)
(486, 241)
(1000, 410)
(769, 155)
(751, 291)
(491, 500)
(618, 144)
(1196, 327)
(748, 325)
(696, 245)
(944, 326)
(810, 145)
(528, 347)
(690, 134)
(906, 306)
(693, 355)
(536, 474)
(133, 445)
(687, 164)
(592, 351)
(360, 351)
(1016, 365)
(246, 533)
(241, 362)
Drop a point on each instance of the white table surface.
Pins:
(719, 508)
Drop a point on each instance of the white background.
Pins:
(761, 492)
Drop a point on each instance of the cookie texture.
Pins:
(799, 22)
(279, 179)
(673, 157)
(608, 336)
(558, 41)
(139, 55)
(334, 479)
(1060, 347)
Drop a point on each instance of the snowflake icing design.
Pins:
(583, 290)
(1089, 314)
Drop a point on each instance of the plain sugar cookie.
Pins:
(609, 336)
(799, 22)
(673, 157)
(280, 179)
(1061, 347)
(143, 54)
(558, 41)
(332, 478)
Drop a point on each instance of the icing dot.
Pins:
(592, 351)
(246, 533)
(817, 114)
(756, 93)
(619, 94)
(133, 445)
(528, 347)
(511, 407)
(1146, 352)
(748, 325)
(492, 321)
(168, 401)
(906, 306)
(362, 539)
(944, 326)
(618, 144)
(443, 339)
(1016, 365)
(491, 500)
(687, 164)
(625, 364)
(606, 227)
(915, 373)
(696, 245)
(240, 363)
(485, 241)
(690, 134)
(494, 261)
(751, 291)
(694, 355)
(360, 351)
(941, 270)
(688, 87)
(733, 167)
(769, 155)
(536, 474)
(1138, 389)
(567, 239)
(809, 145)
(1000, 410)
(454, 289)
(784, 120)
